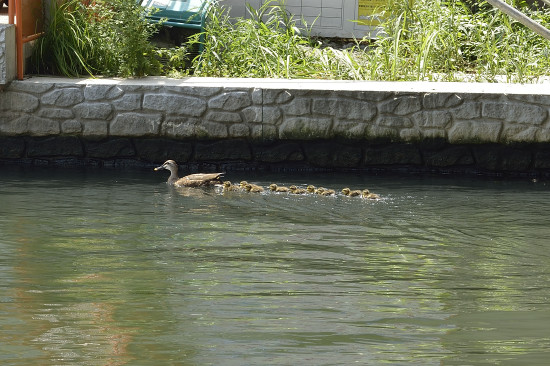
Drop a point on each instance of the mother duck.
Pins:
(192, 180)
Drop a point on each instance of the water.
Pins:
(107, 267)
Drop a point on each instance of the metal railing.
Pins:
(28, 26)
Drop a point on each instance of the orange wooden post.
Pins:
(11, 11)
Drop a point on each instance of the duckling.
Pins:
(227, 186)
(327, 192)
(275, 188)
(296, 190)
(348, 192)
(253, 188)
(366, 194)
(192, 180)
(311, 189)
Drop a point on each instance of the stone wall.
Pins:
(251, 124)
(7, 54)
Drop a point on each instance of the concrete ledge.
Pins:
(321, 124)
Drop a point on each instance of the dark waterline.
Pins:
(103, 266)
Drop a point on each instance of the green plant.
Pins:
(66, 46)
(121, 36)
(108, 38)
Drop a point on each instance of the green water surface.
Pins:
(114, 267)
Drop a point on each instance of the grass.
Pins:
(431, 40)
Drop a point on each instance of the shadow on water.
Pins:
(115, 267)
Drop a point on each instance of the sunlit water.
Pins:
(113, 267)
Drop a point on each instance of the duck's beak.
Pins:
(159, 167)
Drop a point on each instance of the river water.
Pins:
(114, 267)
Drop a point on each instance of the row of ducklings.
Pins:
(310, 189)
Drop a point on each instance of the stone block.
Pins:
(135, 124)
(271, 115)
(38, 126)
(109, 149)
(450, 156)
(174, 104)
(65, 97)
(71, 127)
(394, 154)
(330, 155)
(161, 150)
(257, 96)
(95, 128)
(274, 96)
(230, 101)
(542, 159)
(476, 131)
(394, 121)
(211, 130)
(94, 92)
(177, 128)
(410, 134)
(278, 152)
(18, 102)
(345, 109)
(30, 86)
(305, 128)
(13, 124)
(519, 133)
(127, 102)
(401, 105)
(12, 147)
(467, 110)
(224, 117)
(298, 107)
(515, 112)
(432, 119)
(93, 110)
(55, 146)
(223, 150)
(252, 114)
(57, 113)
(502, 158)
(440, 100)
(350, 130)
(239, 130)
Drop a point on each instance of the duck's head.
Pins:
(365, 192)
(311, 189)
(346, 191)
(243, 183)
(293, 188)
(168, 165)
(273, 187)
(227, 184)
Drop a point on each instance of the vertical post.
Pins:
(19, 39)
(11, 11)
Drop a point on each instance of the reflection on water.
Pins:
(114, 267)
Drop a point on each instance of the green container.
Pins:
(189, 14)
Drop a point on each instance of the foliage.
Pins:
(432, 40)
(67, 46)
(122, 38)
(105, 37)
(444, 40)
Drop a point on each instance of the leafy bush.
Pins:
(108, 38)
